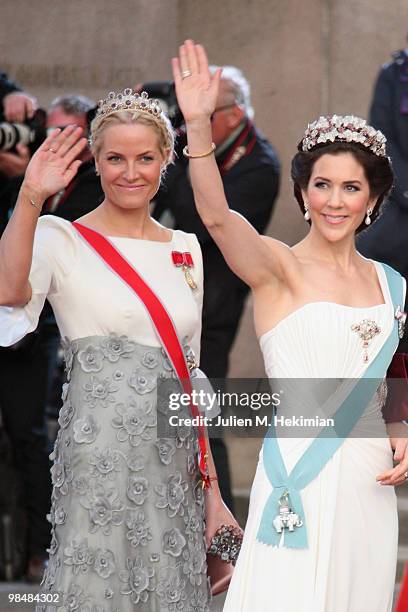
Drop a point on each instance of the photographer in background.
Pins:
(80, 195)
(250, 172)
(16, 106)
(27, 369)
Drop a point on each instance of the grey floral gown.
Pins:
(127, 509)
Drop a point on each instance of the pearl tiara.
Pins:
(344, 128)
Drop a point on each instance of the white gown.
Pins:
(127, 509)
(349, 565)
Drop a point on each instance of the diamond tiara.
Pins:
(344, 128)
(138, 102)
(128, 100)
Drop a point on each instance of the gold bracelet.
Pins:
(35, 205)
(187, 153)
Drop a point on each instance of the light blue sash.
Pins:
(327, 442)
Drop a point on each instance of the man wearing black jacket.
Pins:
(387, 239)
(250, 172)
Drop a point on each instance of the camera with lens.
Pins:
(165, 92)
(31, 133)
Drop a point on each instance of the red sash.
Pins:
(161, 320)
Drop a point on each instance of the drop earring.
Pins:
(307, 213)
(367, 219)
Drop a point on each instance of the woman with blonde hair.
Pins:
(130, 517)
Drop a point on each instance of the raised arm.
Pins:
(255, 259)
(51, 168)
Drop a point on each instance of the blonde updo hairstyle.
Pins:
(160, 124)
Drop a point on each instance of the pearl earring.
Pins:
(367, 219)
(307, 213)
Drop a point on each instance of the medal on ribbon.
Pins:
(286, 519)
(185, 261)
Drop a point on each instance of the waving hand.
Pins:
(249, 256)
(196, 87)
(55, 163)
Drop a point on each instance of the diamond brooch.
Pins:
(366, 330)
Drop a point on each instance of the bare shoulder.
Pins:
(278, 246)
(286, 262)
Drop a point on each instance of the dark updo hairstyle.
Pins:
(377, 170)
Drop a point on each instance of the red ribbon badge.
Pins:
(182, 259)
(185, 261)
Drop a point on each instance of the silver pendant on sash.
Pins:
(286, 519)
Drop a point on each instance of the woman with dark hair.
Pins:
(377, 169)
(322, 529)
